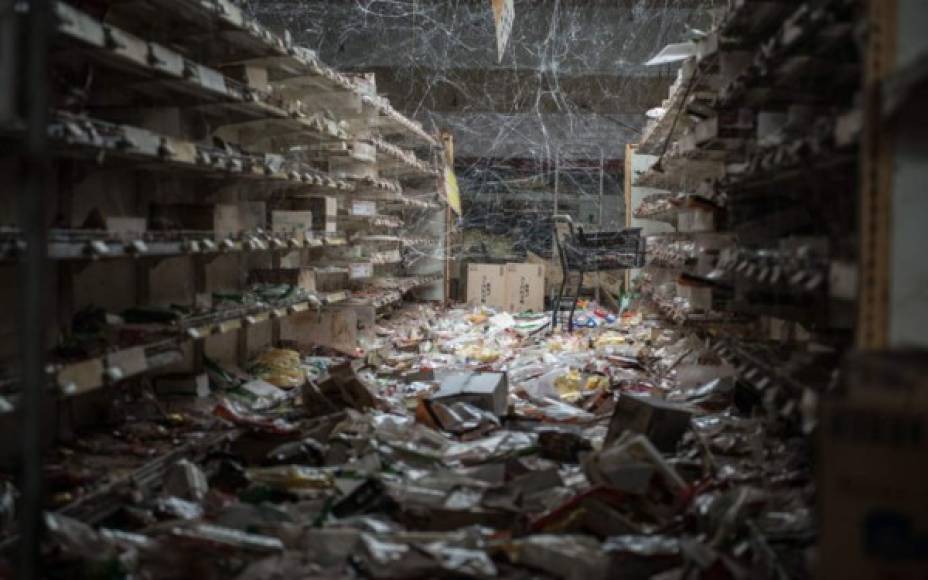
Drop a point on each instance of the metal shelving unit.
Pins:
(196, 110)
(762, 124)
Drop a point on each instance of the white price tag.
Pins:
(361, 270)
(364, 208)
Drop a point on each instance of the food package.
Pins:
(186, 481)
(280, 367)
(292, 477)
(488, 391)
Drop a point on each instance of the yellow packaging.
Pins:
(609, 339)
(280, 367)
(597, 382)
(568, 383)
(292, 477)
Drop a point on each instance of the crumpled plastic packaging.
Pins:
(223, 540)
(499, 445)
(466, 562)
(239, 415)
(416, 487)
(280, 367)
(292, 477)
(630, 464)
(569, 557)
(459, 417)
(177, 508)
(186, 481)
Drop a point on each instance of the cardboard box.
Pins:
(662, 422)
(331, 279)
(489, 391)
(252, 215)
(291, 222)
(304, 278)
(221, 219)
(486, 285)
(873, 478)
(512, 287)
(336, 329)
(525, 287)
(342, 388)
(324, 210)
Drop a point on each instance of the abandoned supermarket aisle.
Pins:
(514, 289)
(466, 443)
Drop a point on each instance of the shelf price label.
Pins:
(360, 270)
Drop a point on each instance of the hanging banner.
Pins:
(504, 13)
(451, 190)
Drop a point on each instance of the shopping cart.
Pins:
(580, 252)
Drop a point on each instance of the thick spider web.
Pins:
(554, 114)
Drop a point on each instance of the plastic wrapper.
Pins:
(306, 451)
(458, 418)
(186, 481)
(545, 385)
(265, 517)
(461, 561)
(608, 340)
(568, 385)
(643, 545)
(260, 395)
(525, 370)
(714, 394)
(292, 477)
(388, 559)
(369, 496)
(280, 367)
(75, 538)
(723, 513)
(552, 410)
(500, 445)
(563, 556)
(596, 382)
(479, 353)
(223, 540)
(177, 508)
(631, 464)
(643, 557)
(287, 565)
(237, 414)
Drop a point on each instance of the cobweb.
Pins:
(554, 113)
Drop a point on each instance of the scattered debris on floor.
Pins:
(464, 443)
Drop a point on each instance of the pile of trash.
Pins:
(466, 443)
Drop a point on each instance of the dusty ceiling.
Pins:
(571, 83)
(554, 114)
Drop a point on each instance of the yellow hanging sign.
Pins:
(452, 193)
